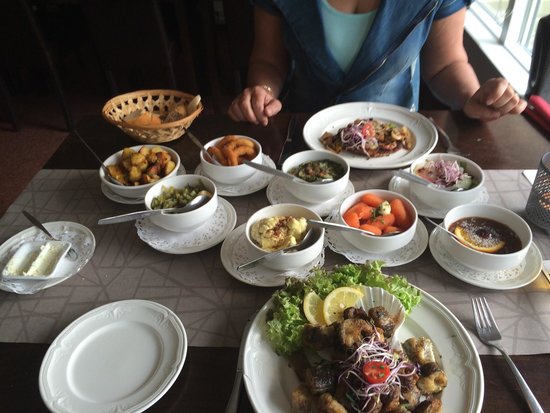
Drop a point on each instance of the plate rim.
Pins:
(526, 281)
(360, 162)
(473, 365)
(81, 320)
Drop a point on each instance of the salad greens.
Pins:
(286, 319)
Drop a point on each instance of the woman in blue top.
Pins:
(325, 52)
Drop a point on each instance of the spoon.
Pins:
(415, 178)
(201, 198)
(106, 172)
(304, 243)
(281, 174)
(209, 157)
(340, 227)
(72, 254)
(439, 226)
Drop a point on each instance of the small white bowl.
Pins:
(377, 243)
(484, 261)
(312, 192)
(230, 175)
(440, 198)
(186, 221)
(288, 260)
(137, 191)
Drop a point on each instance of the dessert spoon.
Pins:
(281, 174)
(415, 178)
(340, 227)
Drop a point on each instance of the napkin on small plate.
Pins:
(538, 109)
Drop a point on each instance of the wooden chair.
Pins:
(539, 73)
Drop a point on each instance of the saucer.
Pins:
(401, 256)
(278, 194)
(235, 251)
(127, 200)
(257, 181)
(401, 186)
(515, 277)
(207, 235)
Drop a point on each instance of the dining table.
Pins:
(61, 183)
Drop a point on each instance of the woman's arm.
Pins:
(446, 70)
(266, 74)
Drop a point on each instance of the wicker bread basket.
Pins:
(159, 101)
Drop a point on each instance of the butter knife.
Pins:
(233, 402)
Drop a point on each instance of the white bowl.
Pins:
(137, 191)
(440, 198)
(376, 243)
(312, 192)
(230, 174)
(288, 260)
(483, 261)
(186, 221)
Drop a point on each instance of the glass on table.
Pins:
(538, 204)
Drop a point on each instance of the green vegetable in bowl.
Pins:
(171, 197)
(286, 319)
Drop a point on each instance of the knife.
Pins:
(233, 402)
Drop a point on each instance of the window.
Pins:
(512, 26)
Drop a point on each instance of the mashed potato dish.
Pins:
(276, 233)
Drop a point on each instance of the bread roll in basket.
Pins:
(153, 116)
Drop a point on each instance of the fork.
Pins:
(488, 332)
(451, 148)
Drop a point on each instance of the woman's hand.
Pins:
(495, 98)
(255, 104)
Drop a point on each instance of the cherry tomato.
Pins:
(376, 372)
(368, 130)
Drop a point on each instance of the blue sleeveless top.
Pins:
(344, 44)
(386, 68)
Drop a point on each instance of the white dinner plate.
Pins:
(336, 117)
(515, 277)
(278, 194)
(206, 236)
(82, 241)
(120, 357)
(414, 249)
(269, 379)
(258, 180)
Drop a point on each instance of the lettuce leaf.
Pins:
(286, 319)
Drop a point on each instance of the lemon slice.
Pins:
(337, 301)
(313, 308)
(478, 243)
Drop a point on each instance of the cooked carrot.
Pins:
(375, 230)
(402, 218)
(383, 221)
(362, 210)
(391, 228)
(351, 218)
(372, 200)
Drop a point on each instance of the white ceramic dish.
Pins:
(336, 117)
(206, 236)
(185, 221)
(292, 259)
(269, 380)
(259, 180)
(235, 251)
(230, 174)
(312, 193)
(374, 243)
(81, 239)
(414, 249)
(41, 256)
(402, 186)
(441, 198)
(138, 191)
(122, 356)
(277, 193)
(483, 261)
(521, 275)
